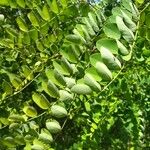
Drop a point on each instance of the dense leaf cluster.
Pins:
(57, 61)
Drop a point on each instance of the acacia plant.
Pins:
(64, 66)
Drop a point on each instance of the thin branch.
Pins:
(36, 116)
(145, 7)
(4, 127)
(112, 80)
(15, 93)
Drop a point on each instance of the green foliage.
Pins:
(58, 59)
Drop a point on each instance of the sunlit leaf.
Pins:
(7, 88)
(21, 3)
(45, 12)
(58, 111)
(30, 111)
(91, 82)
(50, 88)
(109, 59)
(22, 25)
(103, 71)
(4, 2)
(40, 100)
(54, 6)
(53, 126)
(125, 31)
(111, 30)
(81, 89)
(32, 17)
(107, 43)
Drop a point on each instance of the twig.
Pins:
(15, 93)
(145, 7)
(4, 127)
(112, 80)
(36, 116)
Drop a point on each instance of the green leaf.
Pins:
(70, 82)
(87, 106)
(33, 33)
(86, 21)
(75, 50)
(78, 37)
(19, 139)
(50, 88)
(126, 32)
(58, 66)
(21, 3)
(14, 79)
(93, 21)
(28, 138)
(142, 17)
(99, 18)
(4, 121)
(32, 17)
(140, 1)
(22, 24)
(54, 6)
(148, 34)
(7, 43)
(126, 4)
(134, 11)
(81, 89)
(2, 17)
(65, 96)
(16, 117)
(63, 3)
(111, 30)
(67, 53)
(12, 32)
(40, 100)
(46, 138)
(94, 58)
(116, 11)
(122, 49)
(147, 20)
(8, 141)
(26, 38)
(50, 75)
(92, 72)
(7, 88)
(102, 15)
(37, 147)
(58, 111)
(59, 77)
(13, 4)
(16, 82)
(45, 13)
(91, 82)
(14, 125)
(30, 111)
(84, 31)
(74, 38)
(53, 126)
(109, 59)
(103, 71)
(107, 43)
(128, 21)
(66, 65)
(20, 40)
(4, 2)
(39, 45)
(127, 57)
(44, 28)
